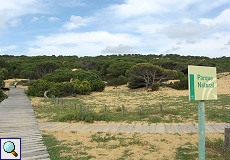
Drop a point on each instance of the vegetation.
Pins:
(58, 83)
(54, 148)
(148, 75)
(114, 69)
(174, 110)
(214, 150)
(182, 84)
(2, 95)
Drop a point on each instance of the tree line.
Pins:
(135, 69)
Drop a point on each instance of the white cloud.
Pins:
(81, 43)
(221, 19)
(70, 3)
(118, 49)
(133, 8)
(15, 22)
(75, 22)
(211, 47)
(228, 43)
(53, 19)
(13, 9)
(35, 19)
(186, 30)
(99, 37)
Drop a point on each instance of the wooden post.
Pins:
(227, 138)
(161, 107)
(105, 108)
(75, 105)
(87, 108)
(141, 109)
(123, 109)
(80, 108)
(57, 100)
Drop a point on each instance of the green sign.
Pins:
(202, 83)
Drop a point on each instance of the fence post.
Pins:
(87, 109)
(105, 108)
(161, 107)
(227, 138)
(141, 109)
(123, 109)
(75, 105)
(57, 100)
(80, 108)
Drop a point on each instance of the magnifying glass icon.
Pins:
(9, 147)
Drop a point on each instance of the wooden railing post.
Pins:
(227, 138)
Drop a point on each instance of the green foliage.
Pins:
(81, 87)
(4, 73)
(88, 117)
(117, 81)
(180, 85)
(2, 95)
(118, 68)
(44, 68)
(186, 152)
(2, 83)
(59, 75)
(97, 85)
(216, 149)
(88, 77)
(148, 75)
(109, 66)
(61, 89)
(55, 148)
(38, 87)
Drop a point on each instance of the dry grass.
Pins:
(106, 146)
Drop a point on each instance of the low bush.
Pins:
(89, 117)
(121, 80)
(38, 87)
(2, 95)
(81, 87)
(2, 83)
(59, 75)
(61, 89)
(180, 85)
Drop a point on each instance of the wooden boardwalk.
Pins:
(131, 128)
(17, 120)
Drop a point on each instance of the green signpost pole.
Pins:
(201, 123)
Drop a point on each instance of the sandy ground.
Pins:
(10, 82)
(137, 146)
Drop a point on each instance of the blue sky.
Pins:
(101, 27)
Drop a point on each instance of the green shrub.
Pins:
(88, 117)
(81, 87)
(61, 89)
(121, 80)
(38, 87)
(59, 75)
(97, 85)
(2, 83)
(2, 95)
(180, 85)
(155, 87)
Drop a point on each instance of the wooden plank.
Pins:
(17, 120)
(160, 129)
